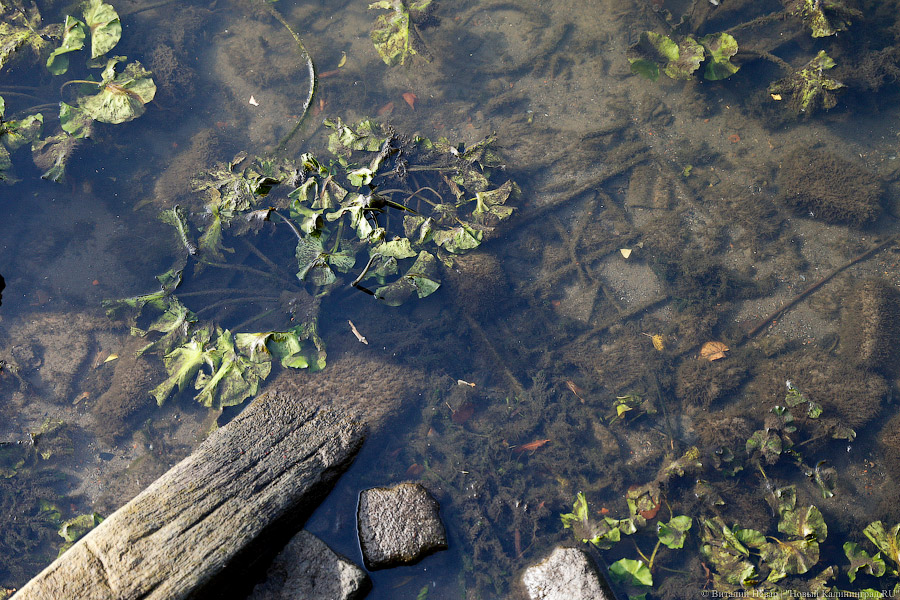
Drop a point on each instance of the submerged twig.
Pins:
(518, 388)
(802, 295)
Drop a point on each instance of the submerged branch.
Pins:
(802, 295)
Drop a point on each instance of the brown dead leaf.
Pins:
(713, 350)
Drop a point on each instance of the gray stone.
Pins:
(567, 574)
(308, 569)
(398, 525)
(246, 485)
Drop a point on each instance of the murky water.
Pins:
(655, 217)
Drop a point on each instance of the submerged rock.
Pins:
(399, 525)
(307, 568)
(567, 574)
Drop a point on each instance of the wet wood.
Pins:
(252, 480)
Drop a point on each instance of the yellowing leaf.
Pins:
(658, 341)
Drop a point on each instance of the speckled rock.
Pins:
(567, 574)
(307, 568)
(398, 525)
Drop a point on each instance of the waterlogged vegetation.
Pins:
(775, 561)
(116, 95)
(803, 90)
(379, 219)
(31, 502)
(396, 34)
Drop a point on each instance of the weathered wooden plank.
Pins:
(272, 464)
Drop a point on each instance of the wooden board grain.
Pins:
(271, 465)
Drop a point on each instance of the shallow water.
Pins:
(697, 178)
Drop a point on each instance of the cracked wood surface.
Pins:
(271, 465)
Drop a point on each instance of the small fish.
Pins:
(530, 446)
(356, 332)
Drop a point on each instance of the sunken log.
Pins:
(241, 494)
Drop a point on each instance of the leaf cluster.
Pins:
(805, 89)
(345, 231)
(679, 60)
(116, 96)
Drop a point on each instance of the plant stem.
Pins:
(244, 268)
(241, 300)
(276, 269)
(289, 224)
(259, 316)
(313, 79)
(653, 556)
(215, 291)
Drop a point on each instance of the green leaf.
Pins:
(631, 572)
(421, 279)
(15, 134)
(765, 443)
(365, 135)
(183, 363)
(287, 346)
(399, 249)
(173, 323)
(106, 29)
(826, 478)
(644, 68)
(418, 229)
(688, 463)
(493, 202)
(75, 121)
(122, 95)
(579, 512)
(159, 300)
(234, 380)
(75, 528)
(394, 34)
(727, 552)
(21, 27)
(887, 541)
(652, 51)
(459, 239)
(790, 558)
(673, 533)
(53, 153)
(721, 47)
(690, 55)
(360, 177)
(823, 17)
(177, 218)
(804, 523)
(808, 89)
(316, 264)
(72, 41)
(860, 560)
